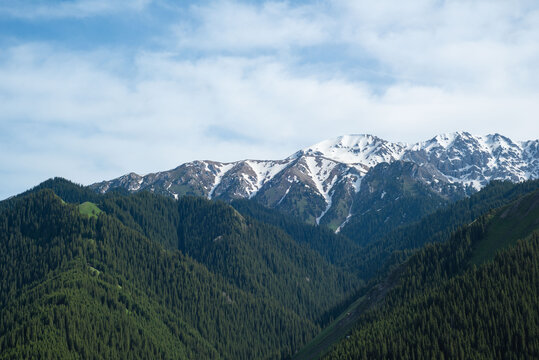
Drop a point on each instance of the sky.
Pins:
(93, 89)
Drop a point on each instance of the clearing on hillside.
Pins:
(90, 209)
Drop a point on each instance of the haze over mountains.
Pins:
(328, 182)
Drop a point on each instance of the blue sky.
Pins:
(93, 89)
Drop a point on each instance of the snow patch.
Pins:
(264, 172)
(137, 185)
(357, 184)
(329, 202)
(323, 177)
(345, 220)
(286, 193)
(222, 169)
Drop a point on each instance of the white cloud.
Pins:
(490, 45)
(233, 26)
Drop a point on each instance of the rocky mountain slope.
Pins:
(327, 183)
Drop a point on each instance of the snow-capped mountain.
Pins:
(364, 150)
(322, 183)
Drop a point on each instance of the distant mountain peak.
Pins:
(363, 149)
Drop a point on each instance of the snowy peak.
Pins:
(362, 149)
(465, 143)
(473, 160)
(443, 141)
(462, 157)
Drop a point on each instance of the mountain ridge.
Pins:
(321, 183)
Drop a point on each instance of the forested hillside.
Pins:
(333, 247)
(148, 277)
(377, 257)
(474, 296)
(254, 256)
(122, 275)
(391, 196)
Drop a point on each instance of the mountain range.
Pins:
(426, 254)
(332, 181)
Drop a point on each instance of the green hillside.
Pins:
(203, 280)
(89, 209)
(255, 256)
(506, 226)
(333, 247)
(390, 197)
(378, 257)
(143, 276)
(445, 306)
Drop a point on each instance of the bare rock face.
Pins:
(330, 182)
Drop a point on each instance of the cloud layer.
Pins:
(231, 80)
